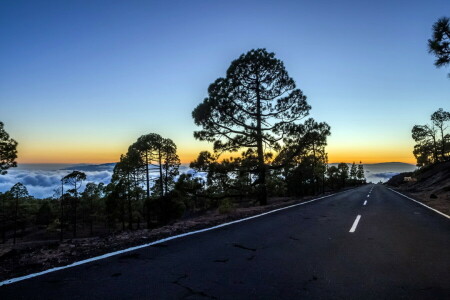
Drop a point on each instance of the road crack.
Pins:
(251, 257)
(191, 291)
(243, 247)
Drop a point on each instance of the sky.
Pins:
(81, 80)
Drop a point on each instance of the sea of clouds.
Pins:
(44, 181)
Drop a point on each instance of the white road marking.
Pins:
(355, 224)
(368, 196)
(81, 262)
(435, 210)
(365, 202)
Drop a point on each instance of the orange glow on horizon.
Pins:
(371, 157)
(95, 152)
(100, 157)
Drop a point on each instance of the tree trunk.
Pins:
(75, 218)
(130, 214)
(166, 183)
(75, 212)
(314, 177)
(161, 185)
(148, 215)
(443, 143)
(122, 212)
(15, 219)
(148, 178)
(261, 188)
(62, 212)
(435, 149)
(323, 181)
(3, 225)
(91, 219)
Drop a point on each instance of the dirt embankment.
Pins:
(30, 257)
(430, 185)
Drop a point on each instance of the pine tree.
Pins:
(8, 151)
(254, 107)
(18, 191)
(439, 45)
(360, 173)
(353, 171)
(75, 179)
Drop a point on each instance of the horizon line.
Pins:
(104, 163)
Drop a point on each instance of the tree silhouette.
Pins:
(439, 44)
(343, 172)
(439, 119)
(126, 172)
(74, 179)
(360, 173)
(333, 176)
(160, 153)
(303, 156)
(170, 164)
(254, 106)
(18, 191)
(8, 151)
(433, 141)
(203, 161)
(92, 194)
(426, 149)
(149, 153)
(149, 146)
(44, 215)
(353, 171)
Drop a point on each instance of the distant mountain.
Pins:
(395, 167)
(92, 168)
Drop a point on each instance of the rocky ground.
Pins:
(431, 186)
(30, 257)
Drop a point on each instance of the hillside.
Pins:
(432, 185)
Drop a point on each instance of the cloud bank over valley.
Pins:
(42, 180)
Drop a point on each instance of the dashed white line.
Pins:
(355, 224)
(365, 202)
(368, 196)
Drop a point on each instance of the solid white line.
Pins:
(81, 262)
(365, 202)
(355, 224)
(435, 210)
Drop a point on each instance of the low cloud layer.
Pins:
(43, 183)
(376, 177)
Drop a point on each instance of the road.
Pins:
(397, 249)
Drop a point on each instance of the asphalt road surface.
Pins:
(395, 249)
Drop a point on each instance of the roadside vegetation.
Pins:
(430, 183)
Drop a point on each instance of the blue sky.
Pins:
(81, 80)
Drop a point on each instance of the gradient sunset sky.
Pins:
(82, 80)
